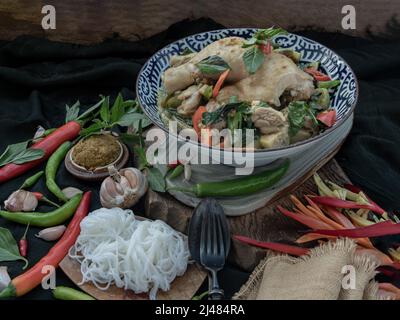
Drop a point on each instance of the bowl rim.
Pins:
(291, 146)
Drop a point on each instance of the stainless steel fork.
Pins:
(214, 245)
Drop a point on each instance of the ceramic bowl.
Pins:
(344, 100)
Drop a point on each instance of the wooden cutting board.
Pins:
(265, 224)
(182, 288)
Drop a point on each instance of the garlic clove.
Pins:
(4, 278)
(70, 192)
(132, 177)
(51, 234)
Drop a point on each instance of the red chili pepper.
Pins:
(266, 48)
(355, 189)
(318, 75)
(285, 248)
(310, 222)
(376, 230)
(220, 82)
(345, 204)
(23, 243)
(49, 144)
(33, 277)
(328, 118)
(174, 164)
(339, 217)
(40, 197)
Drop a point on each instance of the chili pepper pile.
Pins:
(339, 212)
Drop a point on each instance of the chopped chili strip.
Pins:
(310, 222)
(345, 204)
(376, 230)
(284, 248)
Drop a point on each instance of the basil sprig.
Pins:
(253, 57)
(215, 116)
(19, 153)
(212, 65)
(298, 110)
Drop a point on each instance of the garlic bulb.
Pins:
(21, 200)
(122, 188)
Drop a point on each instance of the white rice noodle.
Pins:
(115, 248)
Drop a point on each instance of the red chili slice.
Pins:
(318, 75)
(328, 118)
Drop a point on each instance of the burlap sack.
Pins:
(320, 275)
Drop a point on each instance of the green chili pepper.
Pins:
(48, 131)
(48, 219)
(65, 293)
(31, 181)
(238, 187)
(52, 167)
(328, 84)
(176, 172)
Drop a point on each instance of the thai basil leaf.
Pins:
(269, 33)
(105, 110)
(132, 119)
(215, 116)
(186, 51)
(156, 179)
(212, 65)
(296, 116)
(8, 247)
(19, 154)
(72, 113)
(253, 58)
(117, 110)
(140, 156)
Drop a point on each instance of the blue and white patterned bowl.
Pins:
(344, 101)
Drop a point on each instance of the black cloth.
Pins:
(38, 77)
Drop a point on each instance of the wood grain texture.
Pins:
(92, 21)
(182, 288)
(265, 224)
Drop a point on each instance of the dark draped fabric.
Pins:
(38, 78)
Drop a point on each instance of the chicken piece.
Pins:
(178, 60)
(191, 98)
(180, 76)
(268, 120)
(277, 74)
(301, 135)
(276, 139)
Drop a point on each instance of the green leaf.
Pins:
(253, 58)
(19, 154)
(269, 33)
(95, 127)
(129, 105)
(141, 157)
(130, 139)
(296, 116)
(29, 155)
(186, 51)
(156, 179)
(212, 65)
(132, 119)
(117, 110)
(215, 116)
(72, 113)
(105, 110)
(8, 247)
